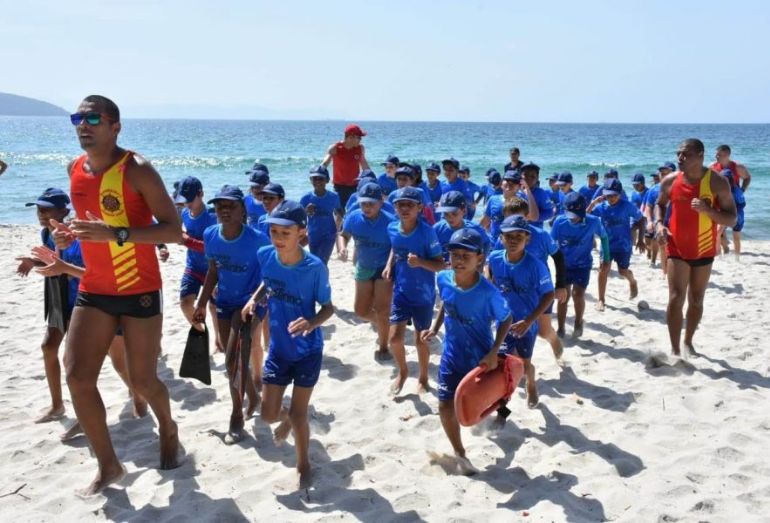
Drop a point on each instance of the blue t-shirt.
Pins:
(444, 233)
(554, 195)
(588, 192)
(292, 292)
(262, 225)
(195, 227)
(459, 185)
(371, 236)
(434, 193)
(71, 254)
(638, 198)
(237, 265)
(468, 315)
(540, 245)
(321, 224)
(494, 211)
(575, 240)
(489, 190)
(413, 285)
(652, 195)
(254, 209)
(617, 220)
(522, 284)
(560, 206)
(740, 199)
(386, 183)
(544, 204)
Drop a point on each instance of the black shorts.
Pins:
(145, 305)
(344, 192)
(698, 262)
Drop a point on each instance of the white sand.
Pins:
(613, 439)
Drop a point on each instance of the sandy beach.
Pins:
(618, 436)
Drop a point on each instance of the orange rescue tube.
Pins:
(480, 393)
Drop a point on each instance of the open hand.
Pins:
(92, 229)
(300, 327)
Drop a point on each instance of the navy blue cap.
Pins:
(467, 239)
(512, 176)
(592, 174)
(495, 177)
(417, 168)
(433, 166)
(464, 169)
(515, 222)
(405, 170)
(259, 178)
(188, 189)
(530, 167)
(319, 171)
(656, 174)
(288, 213)
(452, 201)
(52, 197)
(367, 174)
(490, 171)
(612, 186)
(411, 194)
(391, 159)
(273, 188)
(668, 165)
(564, 178)
(451, 161)
(638, 178)
(228, 192)
(554, 177)
(575, 205)
(176, 190)
(369, 192)
(258, 167)
(611, 173)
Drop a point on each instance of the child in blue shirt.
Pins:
(433, 185)
(414, 258)
(574, 233)
(452, 207)
(387, 180)
(272, 195)
(253, 201)
(294, 281)
(536, 196)
(469, 304)
(527, 288)
(368, 226)
(231, 249)
(473, 189)
(324, 214)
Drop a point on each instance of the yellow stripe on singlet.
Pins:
(705, 224)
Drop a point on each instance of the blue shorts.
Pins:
(226, 312)
(323, 248)
(190, 285)
(303, 372)
(421, 315)
(622, 258)
(522, 347)
(579, 276)
(448, 380)
(738, 227)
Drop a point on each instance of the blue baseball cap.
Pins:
(656, 174)
(638, 178)
(512, 176)
(575, 205)
(530, 167)
(495, 177)
(515, 222)
(369, 192)
(410, 194)
(391, 159)
(228, 192)
(405, 170)
(273, 188)
(452, 201)
(611, 173)
(451, 161)
(612, 186)
(564, 178)
(52, 197)
(668, 165)
(467, 239)
(464, 169)
(592, 174)
(288, 213)
(554, 177)
(319, 171)
(433, 166)
(188, 189)
(259, 178)
(258, 167)
(366, 174)
(490, 171)
(417, 168)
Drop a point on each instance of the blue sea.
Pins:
(218, 152)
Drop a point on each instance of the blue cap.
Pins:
(564, 178)
(367, 174)
(411, 194)
(288, 213)
(464, 169)
(52, 197)
(451, 161)
(433, 166)
(530, 167)
(656, 174)
(515, 222)
(575, 205)
(258, 167)
(467, 239)
(273, 188)
(416, 168)
(405, 170)
(668, 165)
(490, 171)
(592, 174)
(611, 173)
(494, 177)
(228, 192)
(391, 159)
(638, 178)
(612, 186)
(259, 178)
(452, 201)
(319, 171)
(369, 192)
(188, 189)
(554, 177)
(512, 176)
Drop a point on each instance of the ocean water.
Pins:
(218, 152)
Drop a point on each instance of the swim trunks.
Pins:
(145, 305)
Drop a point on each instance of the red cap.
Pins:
(354, 129)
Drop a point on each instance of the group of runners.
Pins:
(257, 266)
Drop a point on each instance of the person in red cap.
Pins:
(348, 158)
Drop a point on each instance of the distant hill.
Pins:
(14, 105)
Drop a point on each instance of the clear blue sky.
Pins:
(559, 61)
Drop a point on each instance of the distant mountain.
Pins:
(14, 105)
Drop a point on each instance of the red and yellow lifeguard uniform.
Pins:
(346, 164)
(693, 234)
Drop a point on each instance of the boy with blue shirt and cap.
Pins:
(453, 181)
(365, 177)
(493, 213)
(368, 226)
(574, 233)
(469, 304)
(253, 201)
(294, 281)
(526, 285)
(475, 191)
(494, 178)
(452, 208)
(541, 207)
(619, 219)
(387, 180)
(433, 185)
(414, 258)
(231, 250)
(590, 188)
(639, 196)
(272, 195)
(324, 214)
(564, 182)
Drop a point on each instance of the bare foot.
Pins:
(169, 448)
(52, 414)
(382, 354)
(690, 348)
(464, 466)
(558, 351)
(600, 306)
(71, 433)
(397, 385)
(676, 352)
(634, 291)
(103, 479)
(281, 432)
(532, 398)
(304, 477)
(235, 431)
(423, 386)
(578, 330)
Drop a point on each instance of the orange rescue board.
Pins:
(480, 393)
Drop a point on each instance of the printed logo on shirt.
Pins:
(276, 290)
(110, 202)
(224, 263)
(451, 310)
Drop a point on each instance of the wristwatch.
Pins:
(121, 235)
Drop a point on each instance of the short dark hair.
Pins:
(724, 148)
(516, 206)
(695, 144)
(109, 107)
(514, 150)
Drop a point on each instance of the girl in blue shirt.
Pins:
(324, 213)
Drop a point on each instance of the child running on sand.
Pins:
(272, 195)
(453, 209)
(324, 214)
